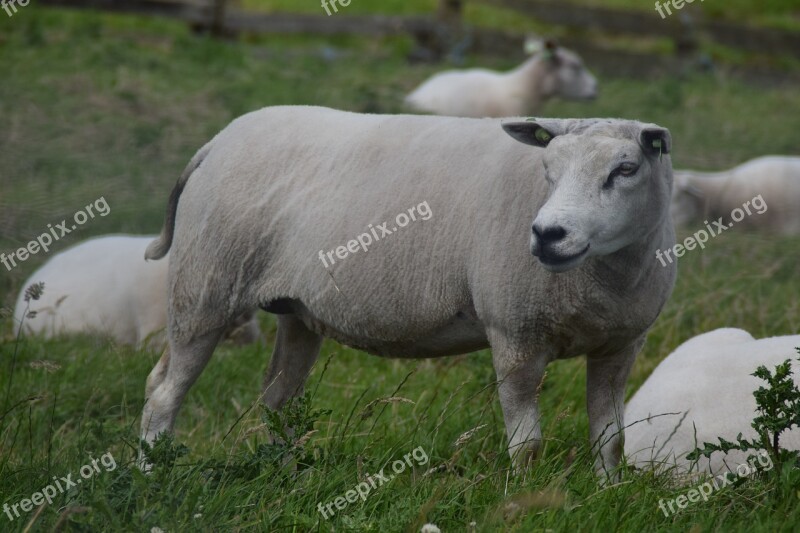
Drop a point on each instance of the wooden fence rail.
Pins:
(215, 15)
(218, 16)
(440, 31)
(771, 41)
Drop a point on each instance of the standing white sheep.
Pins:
(542, 252)
(773, 181)
(701, 391)
(105, 286)
(485, 93)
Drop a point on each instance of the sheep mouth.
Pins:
(562, 262)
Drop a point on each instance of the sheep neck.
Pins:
(634, 267)
(711, 183)
(529, 78)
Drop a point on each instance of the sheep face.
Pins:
(609, 186)
(567, 77)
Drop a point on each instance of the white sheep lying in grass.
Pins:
(774, 182)
(256, 208)
(105, 286)
(485, 93)
(707, 386)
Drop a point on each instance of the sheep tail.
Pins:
(159, 247)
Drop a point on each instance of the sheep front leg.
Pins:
(296, 350)
(605, 402)
(518, 381)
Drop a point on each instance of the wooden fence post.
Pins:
(450, 11)
(450, 24)
(218, 17)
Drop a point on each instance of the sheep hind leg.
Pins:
(158, 373)
(296, 351)
(245, 330)
(171, 379)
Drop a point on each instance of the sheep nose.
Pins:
(549, 235)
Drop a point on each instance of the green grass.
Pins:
(115, 106)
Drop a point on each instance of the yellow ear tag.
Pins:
(657, 144)
(543, 136)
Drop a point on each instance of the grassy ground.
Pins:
(114, 106)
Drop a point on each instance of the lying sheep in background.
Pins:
(542, 252)
(699, 196)
(105, 286)
(707, 382)
(481, 93)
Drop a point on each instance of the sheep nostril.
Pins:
(550, 234)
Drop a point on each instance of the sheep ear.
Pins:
(532, 46)
(656, 140)
(529, 133)
(549, 49)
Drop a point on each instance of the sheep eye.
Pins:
(625, 169)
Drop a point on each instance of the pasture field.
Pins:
(95, 105)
